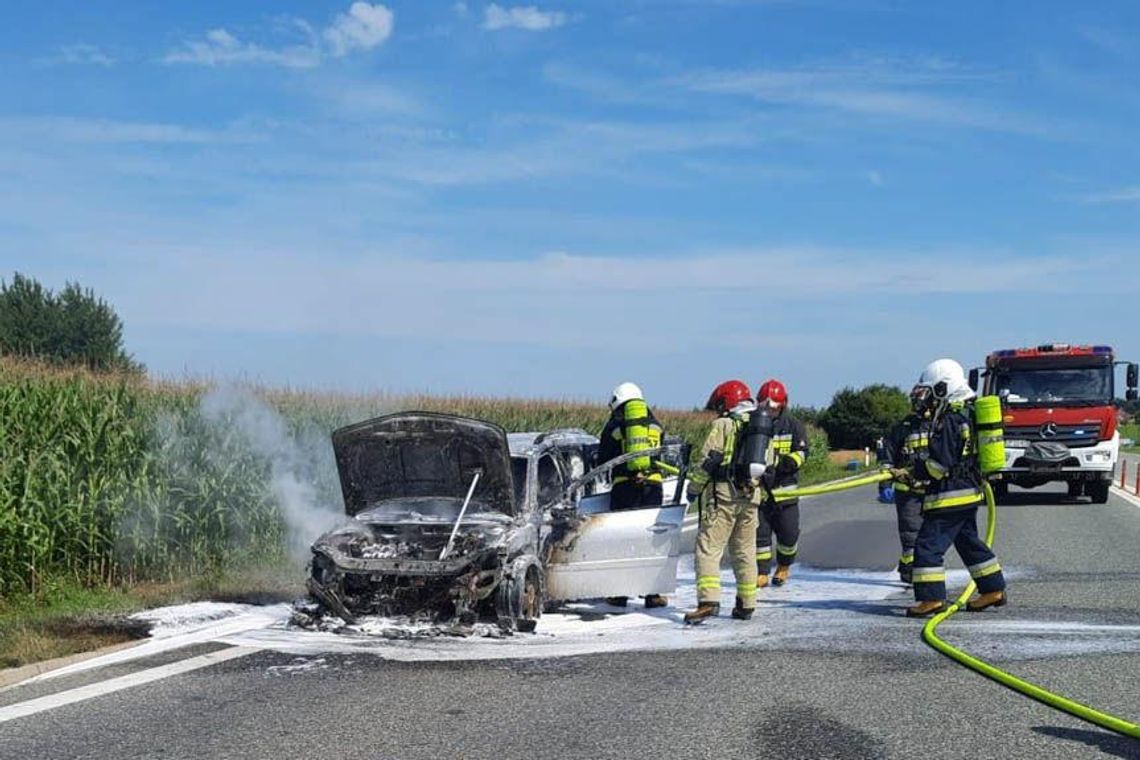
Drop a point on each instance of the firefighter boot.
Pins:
(740, 612)
(655, 600)
(703, 610)
(926, 609)
(985, 601)
(762, 580)
(781, 576)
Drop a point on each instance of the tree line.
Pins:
(75, 327)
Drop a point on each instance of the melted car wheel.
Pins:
(518, 604)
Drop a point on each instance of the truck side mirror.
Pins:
(974, 379)
(1133, 375)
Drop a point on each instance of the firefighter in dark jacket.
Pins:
(904, 444)
(636, 483)
(952, 496)
(787, 453)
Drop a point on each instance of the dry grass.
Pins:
(842, 456)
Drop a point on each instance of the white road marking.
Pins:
(33, 706)
(1127, 496)
(180, 626)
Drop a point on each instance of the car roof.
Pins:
(527, 444)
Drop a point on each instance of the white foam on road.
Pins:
(180, 626)
(819, 609)
(814, 602)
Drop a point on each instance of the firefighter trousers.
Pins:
(784, 521)
(731, 525)
(941, 528)
(908, 507)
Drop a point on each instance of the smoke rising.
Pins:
(300, 471)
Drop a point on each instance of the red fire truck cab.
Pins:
(1059, 414)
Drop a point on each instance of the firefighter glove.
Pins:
(769, 479)
(901, 476)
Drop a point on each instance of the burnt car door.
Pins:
(597, 552)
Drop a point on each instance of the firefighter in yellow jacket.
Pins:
(728, 519)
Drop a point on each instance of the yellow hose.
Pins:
(1076, 709)
(929, 631)
(831, 486)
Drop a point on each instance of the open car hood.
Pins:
(412, 455)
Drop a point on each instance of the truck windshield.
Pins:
(1084, 386)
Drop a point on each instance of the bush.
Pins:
(73, 327)
(856, 418)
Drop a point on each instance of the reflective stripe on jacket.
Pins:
(714, 461)
(788, 452)
(904, 444)
(951, 464)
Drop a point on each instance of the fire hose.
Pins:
(930, 630)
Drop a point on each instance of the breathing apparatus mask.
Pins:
(922, 400)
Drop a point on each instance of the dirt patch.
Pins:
(59, 637)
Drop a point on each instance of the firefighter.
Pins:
(952, 495)
(636, 483)
(902, 446)
(727, 516)
(788, 452)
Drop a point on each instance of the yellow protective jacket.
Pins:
(714, 461)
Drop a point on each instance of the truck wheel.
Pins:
(1075, 488)
(1098, 490)
(1001, 491)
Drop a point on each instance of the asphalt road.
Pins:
(854, 681)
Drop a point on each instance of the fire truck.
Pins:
(1059, 414)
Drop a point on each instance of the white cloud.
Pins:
(563, 148)
(875, 87)
(73, 130)
(479, 297)
(875, 178)
(527, 17)
(1109, 41)
(220, 48)
(1122, 195)
(83, 55)
(364, 27)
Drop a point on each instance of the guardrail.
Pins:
(1124, 482)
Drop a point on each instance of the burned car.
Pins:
(455, 521)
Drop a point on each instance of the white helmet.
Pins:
(947, 381)
(623, 393)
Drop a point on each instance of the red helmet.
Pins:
(727, 395)
(774, 392)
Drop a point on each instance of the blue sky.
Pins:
(545, 200)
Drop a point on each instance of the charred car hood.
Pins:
(410, 461)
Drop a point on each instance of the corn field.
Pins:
(114, 479)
